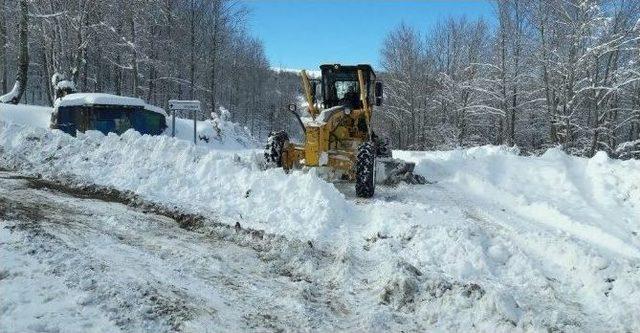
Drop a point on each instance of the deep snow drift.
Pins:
(498, 241)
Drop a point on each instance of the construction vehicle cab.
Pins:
(340, 85)
(338, 136)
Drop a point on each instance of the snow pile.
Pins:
(177, 172)
(553, 241)
(216, 133)
(597, 199)
(12, 95)
(65, 85)
(30, 115)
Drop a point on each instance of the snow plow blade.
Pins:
(391, 171)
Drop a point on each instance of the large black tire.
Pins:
(365, 170)
(274, 147)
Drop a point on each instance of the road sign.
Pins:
(181, 105)
(175, 104)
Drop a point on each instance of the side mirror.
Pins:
(292, 107)
(378, 93)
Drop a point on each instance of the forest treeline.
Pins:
(537, 74)
(542, 73)
(153, 49)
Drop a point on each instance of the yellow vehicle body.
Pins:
(332, 135)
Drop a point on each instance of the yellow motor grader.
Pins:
(339, 139)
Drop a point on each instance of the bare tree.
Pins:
(401, 59)
(552, 72)
(14, 96)
(3, 48)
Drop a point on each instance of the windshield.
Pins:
(342, 88)
(345, 88)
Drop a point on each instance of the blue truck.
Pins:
(106, 113)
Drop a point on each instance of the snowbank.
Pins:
(215, 134)
(30, 115)
(11, 95)
(596, 199)
(177, 172)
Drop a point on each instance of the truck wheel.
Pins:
(365, 170)
(274, 147)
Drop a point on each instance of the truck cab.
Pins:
(340, 85)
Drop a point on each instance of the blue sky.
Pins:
(304, 34)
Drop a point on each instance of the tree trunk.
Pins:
(214, 54)
(192, 62)
(134, 58)
(79, 57)
(46, 79)
(548, 95)
(118, 75)
(3, 48)
(503, 71)
(14, 96)
(516, 58)
(151, 95)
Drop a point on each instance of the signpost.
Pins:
(181, 105)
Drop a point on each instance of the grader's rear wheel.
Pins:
(365, 170)
(275, 146)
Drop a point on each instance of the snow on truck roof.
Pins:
(79, 99)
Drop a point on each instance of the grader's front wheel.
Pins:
(365, 170)
(274, 148)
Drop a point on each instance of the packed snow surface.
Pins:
(496, 242)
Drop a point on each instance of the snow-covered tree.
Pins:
(559, 72)
(15, 95)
